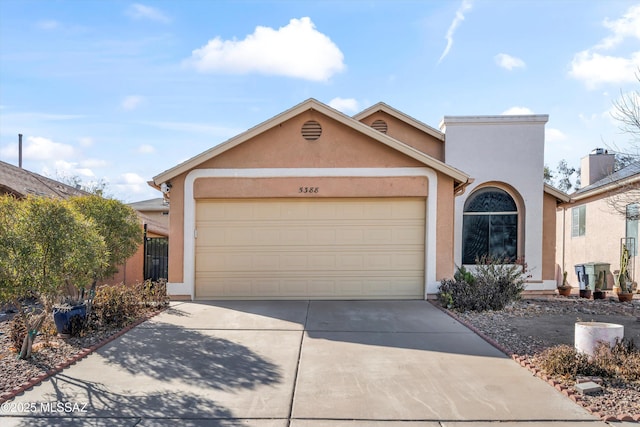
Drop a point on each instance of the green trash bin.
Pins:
(593, 270)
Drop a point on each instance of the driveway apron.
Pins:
(296, 364)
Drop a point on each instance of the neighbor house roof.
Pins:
(629, 175)
(312, 104)
(151, 205)
(21, 182)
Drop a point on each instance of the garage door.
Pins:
(317, 249)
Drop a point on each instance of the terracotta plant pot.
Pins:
(625, 297)
(599, 295)
(585, 293)
(565, 292)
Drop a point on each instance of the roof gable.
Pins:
(311, 104)
(381, 106)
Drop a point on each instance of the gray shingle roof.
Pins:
(624, 173)
(21, 182)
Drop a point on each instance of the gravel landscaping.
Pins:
(529, 326)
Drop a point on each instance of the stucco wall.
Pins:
(409, 135)
(503, 149)
(600, 243)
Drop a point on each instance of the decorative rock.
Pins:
(588, 388)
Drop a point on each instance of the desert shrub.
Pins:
(17, 330)
(153, 294)
(620, 361)
(563, 360)
(115, 306)
(491, 286)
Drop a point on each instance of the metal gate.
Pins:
(156, 257)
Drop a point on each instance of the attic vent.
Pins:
(380, 126)
(311, 130)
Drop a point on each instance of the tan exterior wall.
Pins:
(176, 229)
(409, 135)
(284, 147)
(445, 228)
(317, 187)
(601, 242)
(549, 270)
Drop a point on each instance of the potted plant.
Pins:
(565, 288)
(623, 278)
(599, 293)
(70, 314)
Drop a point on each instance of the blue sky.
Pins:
(121, 90)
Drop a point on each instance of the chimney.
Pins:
(20, 150)
(596, 166)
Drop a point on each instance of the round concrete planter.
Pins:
(589, 334)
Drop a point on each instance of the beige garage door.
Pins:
(318, 249)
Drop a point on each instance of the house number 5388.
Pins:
(308, 189)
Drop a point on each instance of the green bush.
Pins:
(493, 284)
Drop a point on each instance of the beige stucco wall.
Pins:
(601, 242)
(445, 228)
(409, 135)
(549, 238)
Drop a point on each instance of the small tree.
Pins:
(53, 247)
(117, 223)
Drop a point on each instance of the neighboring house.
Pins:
(21, 183)
(151, 259)
(601, 213)
(316, 204)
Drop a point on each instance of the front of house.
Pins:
(314, 204)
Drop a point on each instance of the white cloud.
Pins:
(94, 163)
(131, 182)
(554, 135)
(595, 69)
(39, 148)
(71, 169)
(598, 65)
(295, 50)
(508, 62)
(140, 11)
(146, 149)
(517, 111)
(131, 102)
(627, 26)
(345, 104)
(86, 141)
(464, 7)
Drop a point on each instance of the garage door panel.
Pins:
(322, 248)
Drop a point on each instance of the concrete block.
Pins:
(588, 388)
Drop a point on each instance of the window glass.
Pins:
(578, 221)
(489, 227)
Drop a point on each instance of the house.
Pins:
(600, 216)
(316, 204)
(21, 183)
(151, 259)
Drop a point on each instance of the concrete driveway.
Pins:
(296, 364)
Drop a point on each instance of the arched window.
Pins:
(489, 226)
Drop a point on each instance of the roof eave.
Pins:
(311, 104)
